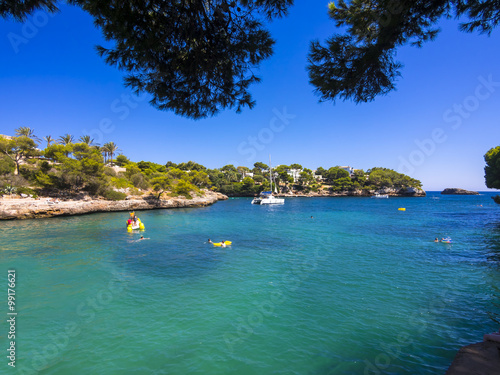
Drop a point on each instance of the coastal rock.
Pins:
(455, 191)
(481, 358)
(411, 192)
(29, 208)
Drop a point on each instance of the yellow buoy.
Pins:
(401, 209)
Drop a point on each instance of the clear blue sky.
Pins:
(436, 127)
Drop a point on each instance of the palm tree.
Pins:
(66, 139)
(86, 139)
(109, 149)
(27, 132)
(49, 140)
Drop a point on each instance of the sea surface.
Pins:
(317, 286)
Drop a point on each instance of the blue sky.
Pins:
(436, 127)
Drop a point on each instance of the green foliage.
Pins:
(305, 177)
(333, 174)
(161, 183)
(6, 165)
(121, 160)
(139, 181)
(109, 172)
(156, 42)
(492, 169)
(258, 178)
(189, 166)
(9, 189)
(121, 183)
(261, 166)
(342, 183)
(199, 179)
(383, 177)
(359, 64)
(58, 152)
(283, 176)
(149, 168)
(131, 169)
(18, 148)
(320, 171)
(112, 195)
(184, 188)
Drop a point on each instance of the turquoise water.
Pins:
(360, 288)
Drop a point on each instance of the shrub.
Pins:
(184, 188)
(120, 183)
(139, 181)
(112, 195)
(109, 172)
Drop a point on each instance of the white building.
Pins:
(348, 169)
(295, 173)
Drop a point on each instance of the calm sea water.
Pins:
(359, 288)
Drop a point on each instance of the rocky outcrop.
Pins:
(481, 358)
(29, 208)
(455, 191)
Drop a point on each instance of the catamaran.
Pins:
(267, 197)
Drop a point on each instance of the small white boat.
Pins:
(267, 197)
(380, 195)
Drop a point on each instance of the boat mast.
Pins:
(270, 173)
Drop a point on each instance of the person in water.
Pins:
(222, 244)
(210, 241)
(436, 240)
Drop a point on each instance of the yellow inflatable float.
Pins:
(134, 223)
(227, 243)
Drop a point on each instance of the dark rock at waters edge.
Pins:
(29, 208)
(481, 358)
(455, 191)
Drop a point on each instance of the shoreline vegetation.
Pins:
(69, 170)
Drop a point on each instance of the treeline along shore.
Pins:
(89, 175)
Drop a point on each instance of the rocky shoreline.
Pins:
(392, 192)
(30, 208)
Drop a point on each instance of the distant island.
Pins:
(456, 191)
(79, 170)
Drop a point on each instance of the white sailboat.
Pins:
(267, 197)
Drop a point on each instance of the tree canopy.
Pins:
(359, 64)
(194, 57)
(197, 58)
(492, 169)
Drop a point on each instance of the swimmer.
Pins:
(210, 241)
(436, 240)
(222, 244)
